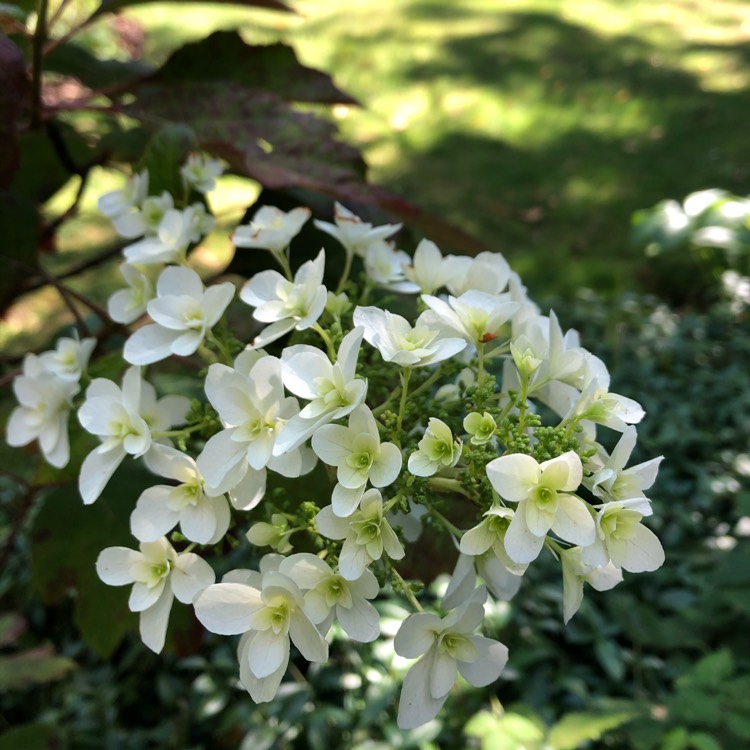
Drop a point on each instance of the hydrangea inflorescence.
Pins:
(468, 414)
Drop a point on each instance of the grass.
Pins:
(538, 125)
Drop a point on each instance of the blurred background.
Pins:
(565, 134)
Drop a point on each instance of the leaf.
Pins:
(12, 625)
(511, 731)
(575, 728)
(33, 667)
(710, 672)
(72, 60)
(14, 87)
(66, 540)
(165, 153)
(115, 6)
(224, 56)
(19, 241)
(29, 737)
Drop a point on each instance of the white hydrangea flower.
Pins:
(275, 534)
(201, 172)
(486, 272)
(183, 312)
(332, 389)
(481, 427)
(542, 492)
(600, 406)
(358, 455)
(384, 266)
(158, 574)
(501, 582)
(174, 235)
(203, 515)
(428, 269)
(271, 229)
(446, 647)
(612, 481)
(252, 407)
(366, 534)
(623, 539)
(353, 233)
(127, 305)
(123, 420)
(399, 342)
(438, 449)
(44, 402)
(476, 316)
(488, 536)
(328, 594)
(118, 202)
(69, 359)
(269, 609)
(285, 304)
(575, 572)
(143, 219)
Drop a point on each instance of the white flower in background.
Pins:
(123, 420)
(501, 582)
(44, 401)
(446, 647)
(332, 389)
(542, 492)
(436, 450)
(202, 514)
(598, 405)
(428, 269)
(328, 594)
(399, 342)
(158, 574)
(271, 229)
(576, 572)
(366, 534)
(285, 304)
(69, 359)
(623, 539)
(486, 272)
(488, 537)
(174, 235)
(614, 482)
(143, 219)
(268, 608)
(183, 312)
(475, 316)
(252, 407)
(200, 221)
(338, 304)
(119, 201)
(384, 266)
(201, 172)
(127, 305)
(358, 455)
(353, 233)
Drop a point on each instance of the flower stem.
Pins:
(405, 375)
(283, 259)
(345, 273)
(408, 593)
(40, 37)
(480, 364)
(326, 340)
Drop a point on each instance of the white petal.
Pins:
(333, 443)
(416, 705)
(227, 608)
(416, 634)
(641, 553)
(306, 638)
(154, 621)
(442, 675)
(152, 517)
(521, 545)
(573, 522)
(190, 575)
(96, 471)
(345, 501)
(149, 344)
(361, 621)
(267, 652)
(492, 657)
(113, 565)
(512, 476)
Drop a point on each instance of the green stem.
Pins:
(427, 383)
(443, 520)
(327, 340)
(40, 36)
(480, 364)
(283, 259)
(446, 484)
(405, 375)
(345, 273)
(408, 593)
(178, 433)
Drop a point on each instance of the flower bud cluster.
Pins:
(336, 432)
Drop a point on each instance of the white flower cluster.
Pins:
(360, 421)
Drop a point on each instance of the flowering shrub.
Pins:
(471, 417)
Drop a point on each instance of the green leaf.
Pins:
(574, 729)
(14, 86)
(66, 540)
(19, 242)
(12, 625)
(72, 60)
(165, 153)
(710, 672)
(224, 56)
(609, 656)
(115, 6)
(29, 737)
(703, 741)
(511, 731)
(33, 667)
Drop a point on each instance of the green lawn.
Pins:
(539, 125)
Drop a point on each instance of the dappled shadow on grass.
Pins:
(588, 129)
